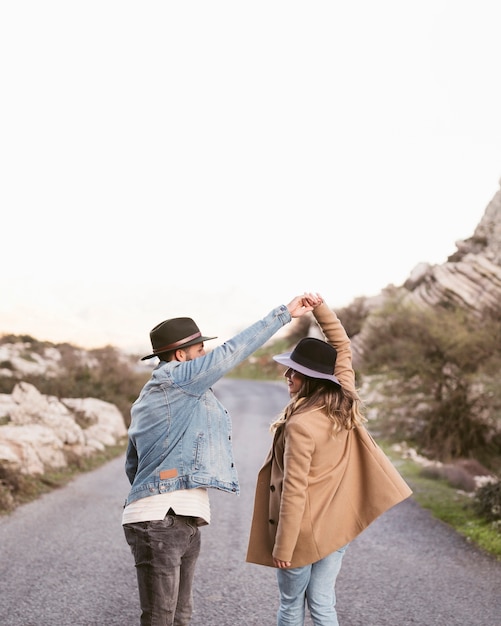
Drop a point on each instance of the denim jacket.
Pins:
(180, 434)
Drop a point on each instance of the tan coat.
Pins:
(316, 493)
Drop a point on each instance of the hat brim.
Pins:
(285, 359)
(185, 345)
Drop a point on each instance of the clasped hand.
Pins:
(304, 304)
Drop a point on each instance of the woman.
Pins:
(324, 480)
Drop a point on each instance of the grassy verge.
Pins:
(453, 507)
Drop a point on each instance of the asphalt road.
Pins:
(64, 560)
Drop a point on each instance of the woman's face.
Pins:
(294, 380)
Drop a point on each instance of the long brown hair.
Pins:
(342, 406)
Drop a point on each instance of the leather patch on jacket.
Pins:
(170, 473)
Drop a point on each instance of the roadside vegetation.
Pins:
(474, 515)
(437, 376)
(429, 379)
(17, 489)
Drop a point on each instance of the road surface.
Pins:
(64, 560)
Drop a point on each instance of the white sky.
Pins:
(213, 159)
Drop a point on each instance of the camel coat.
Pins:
(315, 493)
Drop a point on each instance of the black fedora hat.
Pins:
(178, 332)
(312, 357)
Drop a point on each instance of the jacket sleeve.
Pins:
(337, 337)
(198, 375)
(298, 452)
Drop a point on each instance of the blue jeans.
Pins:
(312, 584)
(165, 553)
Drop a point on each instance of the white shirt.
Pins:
(193, 502)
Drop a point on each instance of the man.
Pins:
(179, 447)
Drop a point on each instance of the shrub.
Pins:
(353, 316)
(487, 501)
(437, 362)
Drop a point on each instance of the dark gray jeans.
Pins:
(165, 553)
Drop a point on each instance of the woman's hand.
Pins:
(304, 304)
(313, 299)
(281, 564)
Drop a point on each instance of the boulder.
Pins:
(41, 432)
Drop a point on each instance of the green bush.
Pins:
(439, 365)
(487, 501)
(353, 316)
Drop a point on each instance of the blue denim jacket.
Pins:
(180, 434)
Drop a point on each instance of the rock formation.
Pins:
(471, 277)
(41, 432)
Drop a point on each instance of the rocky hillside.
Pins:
(39, 431)
(471, 277)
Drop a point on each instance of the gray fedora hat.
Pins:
(312, 357)
(178, 332)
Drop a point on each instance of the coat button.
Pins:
(272, 487)
(272, 521)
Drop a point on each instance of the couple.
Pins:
(323, 482)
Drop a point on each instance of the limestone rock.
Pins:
(471, 277)
(41, 430)
(19, 357)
